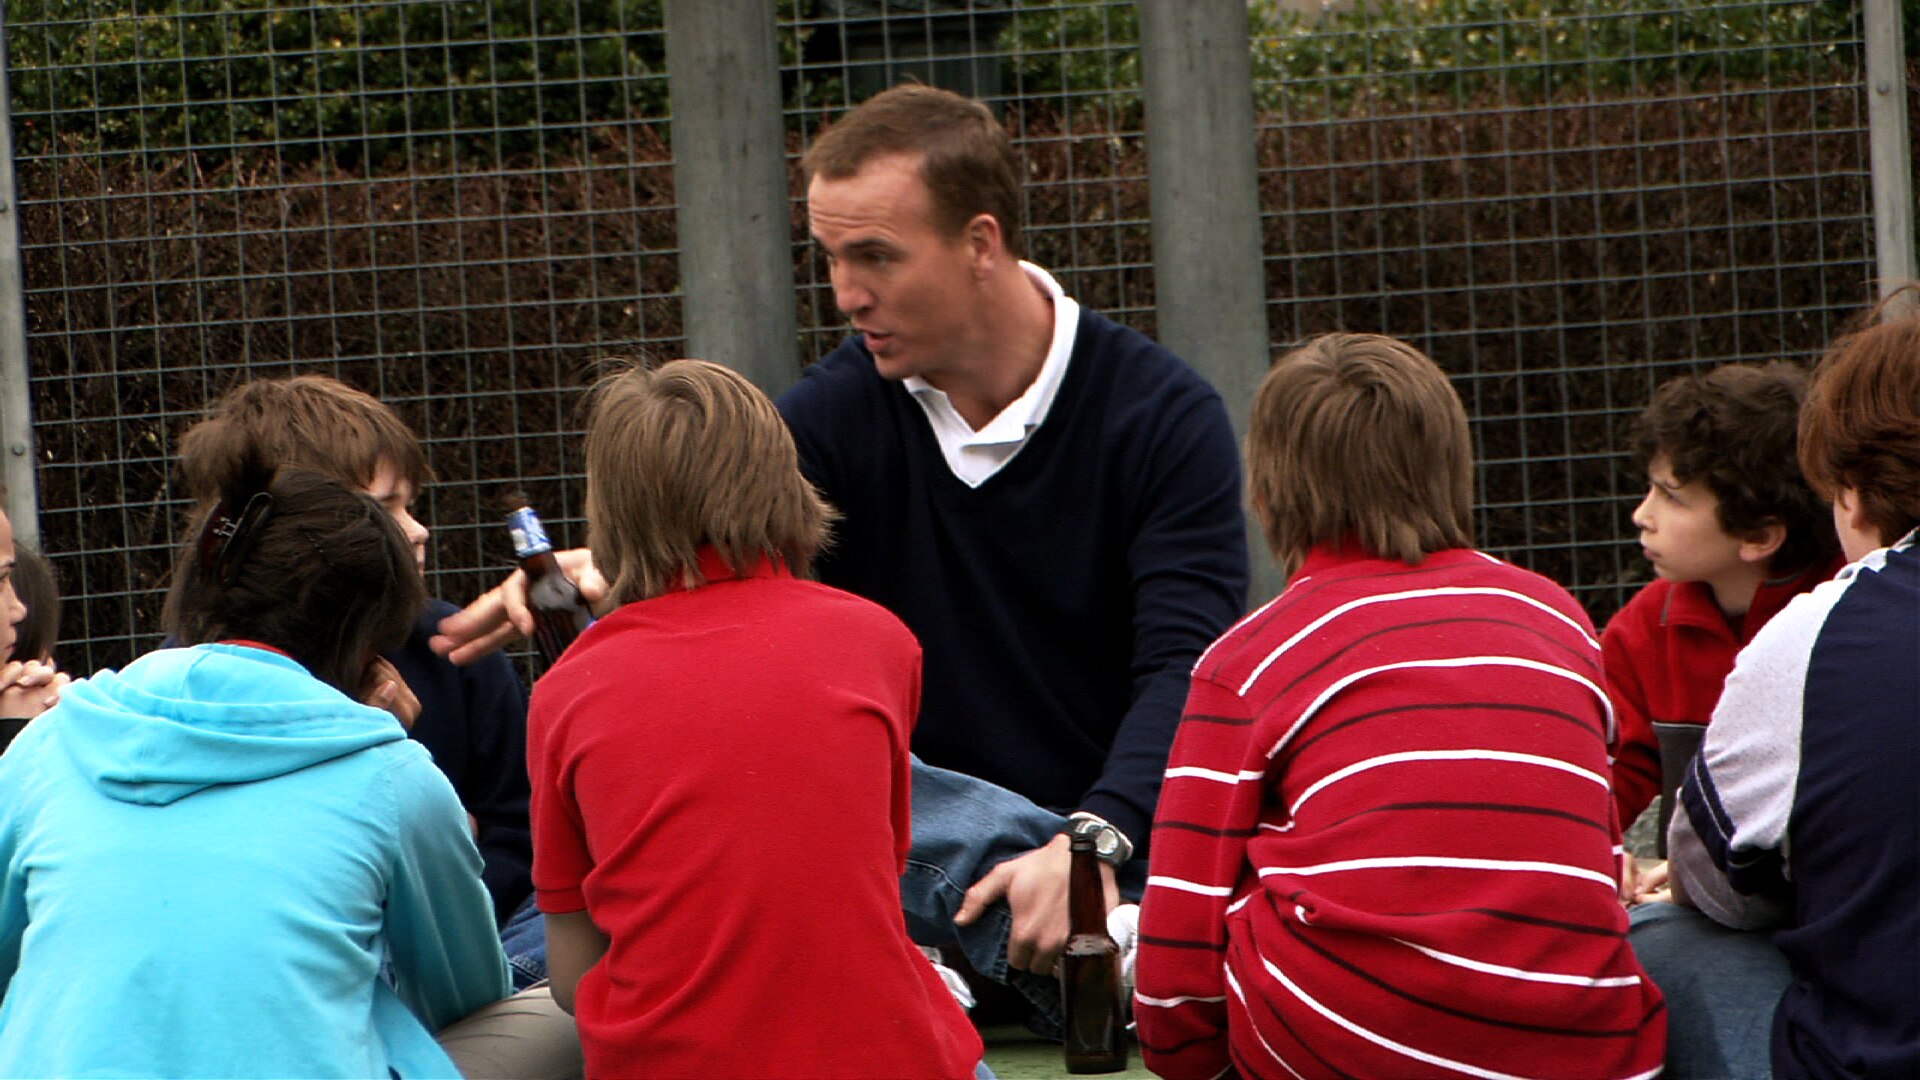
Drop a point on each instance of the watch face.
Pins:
(1104, 839)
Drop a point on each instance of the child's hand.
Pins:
(383, 688)
(1652, 884)
(1629, 877)
(29, 688)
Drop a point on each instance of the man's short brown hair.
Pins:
(1359, 438)
(966, 159)
(691, 453)
(1733, 429)
(1860, 426)
(309, 421)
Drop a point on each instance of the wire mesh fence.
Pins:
(455, 206)
(460, 205)
(1564, 204)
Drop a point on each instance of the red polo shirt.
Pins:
(721, 781)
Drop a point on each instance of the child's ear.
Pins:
(1761, 543)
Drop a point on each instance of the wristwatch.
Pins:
(1109, 843)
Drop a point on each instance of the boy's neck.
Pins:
(1734, 591)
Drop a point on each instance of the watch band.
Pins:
(1109, 843)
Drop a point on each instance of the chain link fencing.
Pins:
(463, 206)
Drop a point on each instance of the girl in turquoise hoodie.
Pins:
(218, 861)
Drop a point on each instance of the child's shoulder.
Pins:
(1364, 595)
(1646, 608)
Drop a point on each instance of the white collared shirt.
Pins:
(976, 455)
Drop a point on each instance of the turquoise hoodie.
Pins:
(209, 859)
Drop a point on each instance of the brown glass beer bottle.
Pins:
(1096, 1037)
(559, 612)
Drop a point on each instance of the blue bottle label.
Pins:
(528, 537)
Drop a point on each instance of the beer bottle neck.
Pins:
(1086, 893)
(539, 564)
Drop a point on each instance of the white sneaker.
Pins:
(1123, 926)
(956, 984)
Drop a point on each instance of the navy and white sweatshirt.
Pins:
(1061, 604)
(1802, 814)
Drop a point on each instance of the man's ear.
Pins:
(985, 243)
(1761, 543)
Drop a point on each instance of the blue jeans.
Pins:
(1722, 987)
(962, 828)
(525, 940)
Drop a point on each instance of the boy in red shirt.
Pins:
(1734, 532)
(1385, 846)
(720, 767)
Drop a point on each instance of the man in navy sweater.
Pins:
(1049, 500)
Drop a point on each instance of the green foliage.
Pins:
(425, 81)
(1536, 49)
(1527, 49)
(1087, 50)
(354, 80)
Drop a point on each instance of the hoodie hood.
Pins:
(177, 721)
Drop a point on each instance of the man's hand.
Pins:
(500, 616)
(1034, 886)
(29, 688)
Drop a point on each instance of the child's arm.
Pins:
(13, 888)
(1727, 843)
(574, 945)
(1200, 831)
(1636, 762)
(445, 945)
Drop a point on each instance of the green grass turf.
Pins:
(1014, 1053)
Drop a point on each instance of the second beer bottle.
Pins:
(559, 611)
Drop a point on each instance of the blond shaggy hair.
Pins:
(1359, 438)
(687, 454)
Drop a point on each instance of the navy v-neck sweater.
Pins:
(1062, 603)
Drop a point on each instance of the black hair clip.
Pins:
(227, 537)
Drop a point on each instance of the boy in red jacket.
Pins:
(1734, 532)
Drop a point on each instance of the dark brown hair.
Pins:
(1860, 427)
(38, 591)
(690, 454)
(1361, 438)
(966, 159)
(1734, 429)
(325, 575)
(310, 421)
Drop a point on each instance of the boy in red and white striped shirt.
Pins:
(1386, 844)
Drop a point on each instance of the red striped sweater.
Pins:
(1386, 844)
